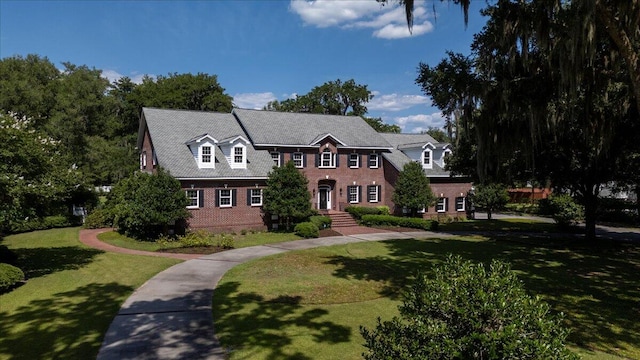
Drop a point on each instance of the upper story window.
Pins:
(275, 156)
(298, 159)
(373, 161)
(238, 155)
(427, 158)
(327, 159)
(373, 193)
(445, 156)
(460, 203)
(354, 160)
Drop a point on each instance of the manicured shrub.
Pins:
(9, 276)
(321, 221)
(358, 211)
(389, 220)
(226, 242)
(98, 218)
(58, 221)
(564, 210)
(466, 311)
(383, 210)
(307, 230)
(7, 256)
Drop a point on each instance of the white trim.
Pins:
(429, 164)
(375, 189)
(212, 163)
(242, 164)
(377, 161)
(357, 194)
(357, 160)
(275, 161)
(326, 136)
(464, 203)
(293, 158)
(326, 188)
(332, 160)
(220, 197)
(441, 202)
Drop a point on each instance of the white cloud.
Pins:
(253, 100)
(388, 22)
(420, 122)
(395, 102)
(113, 75)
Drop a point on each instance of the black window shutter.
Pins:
(359, 160)
(281, 159)
(217, 198)
(368, 192)
(234, 195)
(446, 204)
(379, 192)
(200, 198)
(249, 197)
(318, 160)
(359, 193)
(304, 160)
(369, 160)
(291, 156)
(337, 159)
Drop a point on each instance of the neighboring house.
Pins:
(223, 161)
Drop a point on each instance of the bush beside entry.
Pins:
(465, 311)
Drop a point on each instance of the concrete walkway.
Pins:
(169, 317)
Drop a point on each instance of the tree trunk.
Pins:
(590, 207)
(489, 214)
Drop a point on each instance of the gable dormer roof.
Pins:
(417, 143)
(233, 139)
(201, 138)
(319, 139)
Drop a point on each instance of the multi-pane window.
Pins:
(354, 160)
(238, 155)
(224, 197)
(297, 160)
(441, 205)
(192, 196)
(426, 158)
(275, 156)
(206, 154)
(460, 204)
(255, 197)
(373, 161)
(143, 160)
(373, 193)
(353, 194)
(327, 159)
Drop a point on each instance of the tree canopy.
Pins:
(286, 194)
(412, 189)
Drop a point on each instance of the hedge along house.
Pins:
(223, 160)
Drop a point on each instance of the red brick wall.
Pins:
(225, 219)
(147, 147)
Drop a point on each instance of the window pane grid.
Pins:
(373, 194)
(373, 160)
(353, 194)
(225, 197)
(256, 196)
(297, 160)
(353, 160)
(206, 154)
(238, 155)
(192, 195)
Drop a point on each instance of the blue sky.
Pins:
(261, 50)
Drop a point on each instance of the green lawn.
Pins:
(309, 304)
(249, 239)
(514, 224)
(72, 294)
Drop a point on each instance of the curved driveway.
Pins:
(169, 317)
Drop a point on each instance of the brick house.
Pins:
(222, 161)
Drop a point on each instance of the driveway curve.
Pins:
(170, 316)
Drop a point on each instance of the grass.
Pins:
(515, 224)
(246, 240)
(309, 304)
(72, 294)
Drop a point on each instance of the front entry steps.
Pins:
(340, 219)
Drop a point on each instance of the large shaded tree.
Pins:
(412, 189)
(287, 195)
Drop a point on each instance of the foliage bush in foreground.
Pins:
(321, 221)
(7, 256)
(307, 230)
(564, 210)
(47, 222)
(465, 311)
(358, 211)
(9, 276)
(389, 220)
(198, 238)
(98, 218)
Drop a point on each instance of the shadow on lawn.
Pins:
(247, 319)
(36, 262)
(68, 325)
(596, 286)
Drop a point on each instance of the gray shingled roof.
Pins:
(404, 141)
(171, 129)
(295, 129)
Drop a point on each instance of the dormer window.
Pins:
(427, 158)
(239, 159)
(206, 156)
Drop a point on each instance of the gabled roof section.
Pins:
(200, 138)
(272, 128)
(233, 139)
(317, 141)
(170, 130)
(405, 142)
